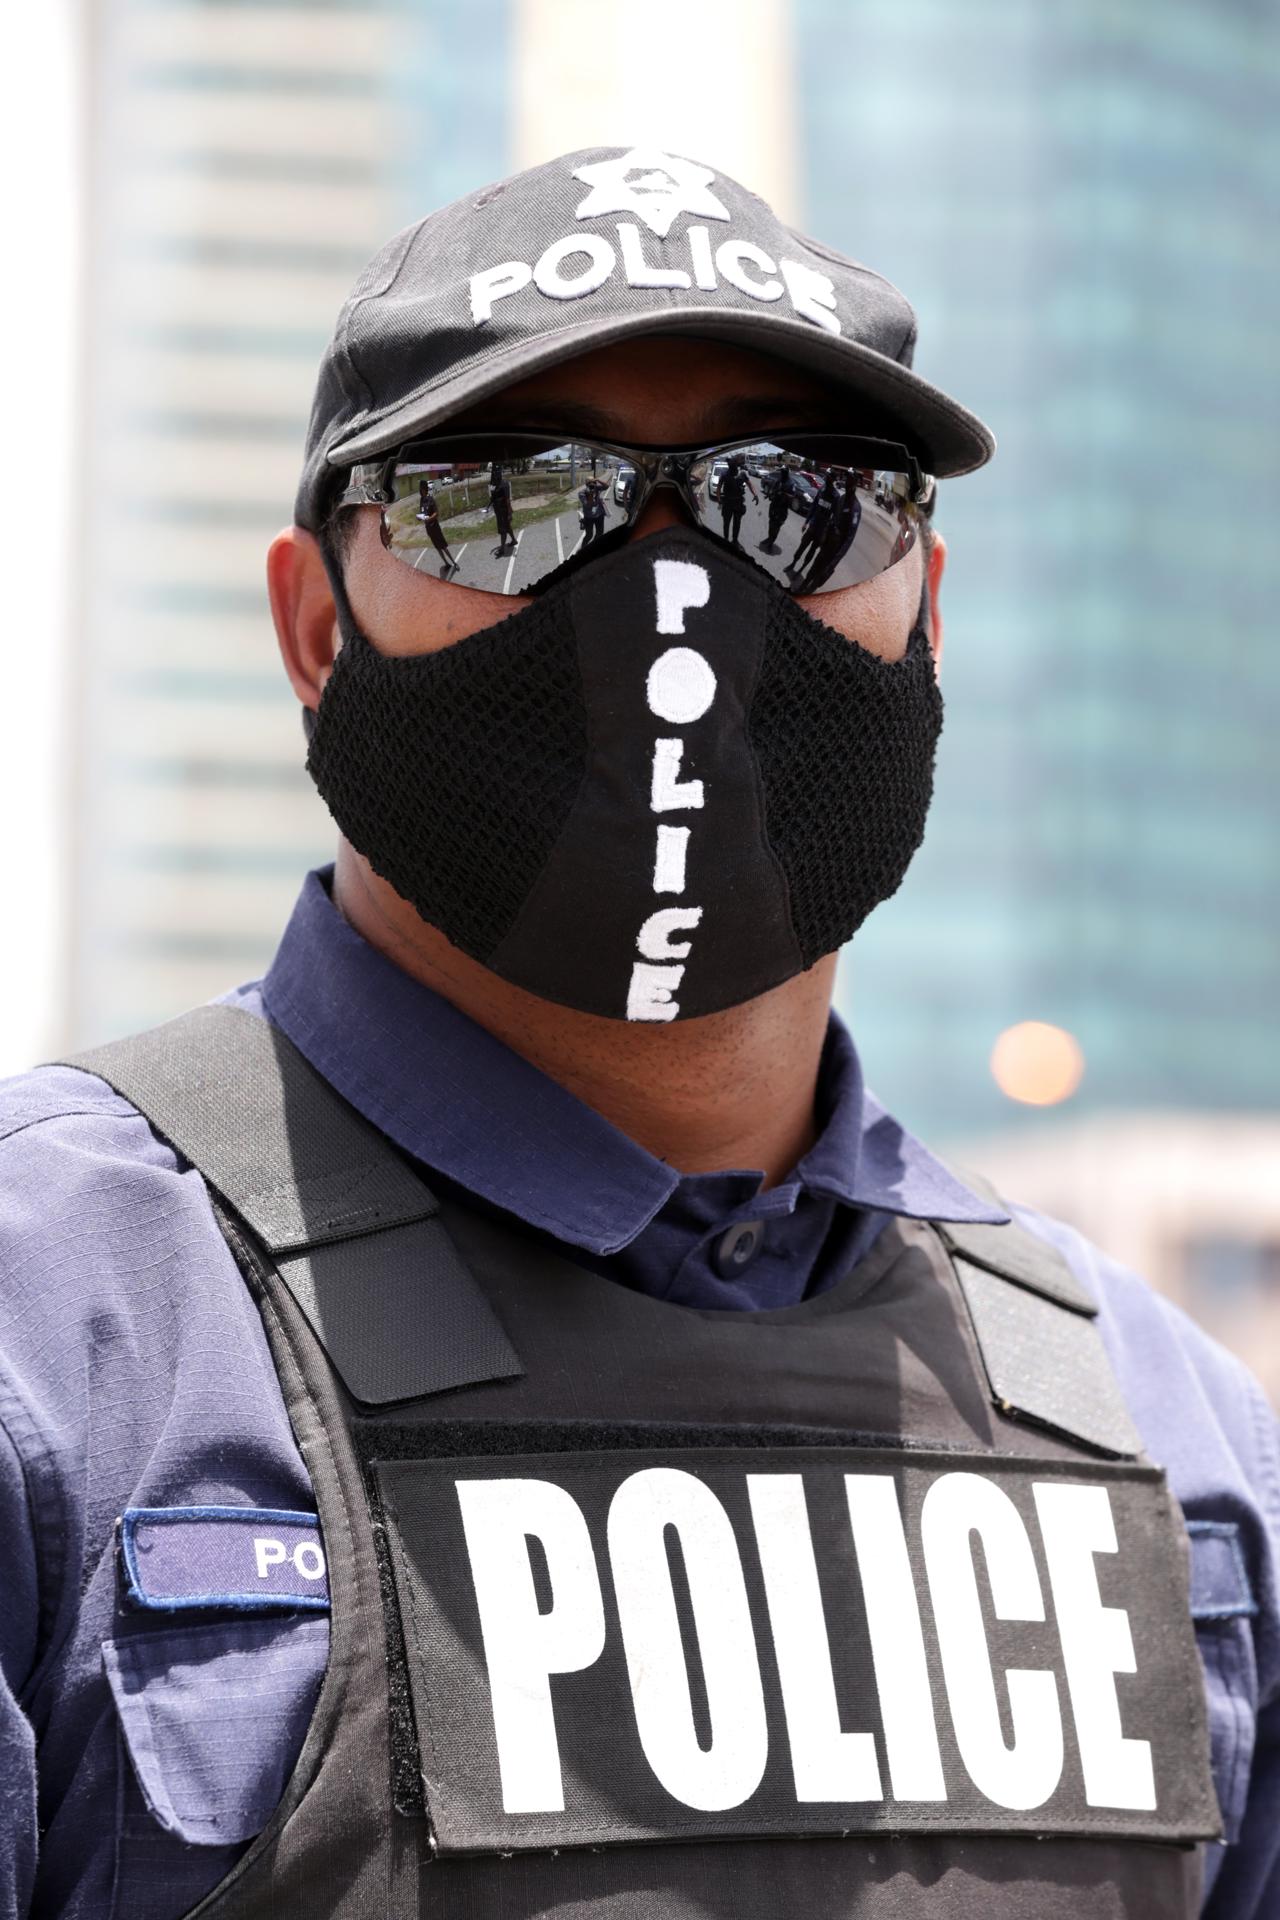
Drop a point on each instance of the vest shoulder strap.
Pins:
(354, 1234)
(1034, 1322)
(350, 1227)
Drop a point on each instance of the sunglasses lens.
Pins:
(807, 511)
(503, 515)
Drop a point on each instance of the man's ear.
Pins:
(936, 566)
(303, 611)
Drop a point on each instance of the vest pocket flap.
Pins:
(365, 1298)
(213, 1718)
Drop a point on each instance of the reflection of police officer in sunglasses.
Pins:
(500, 501)
(429, 514)
(592, 516)
(838, 534)
(779, 491)
(733, 496)
(817, 522)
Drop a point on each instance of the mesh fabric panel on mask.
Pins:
(508, 742)
(840, 858)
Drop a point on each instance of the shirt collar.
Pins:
(454, 1097)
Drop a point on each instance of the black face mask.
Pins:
(655, 793)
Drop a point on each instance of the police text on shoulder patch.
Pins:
(246, 1558)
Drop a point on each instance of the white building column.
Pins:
(713, 81)
(41, 514)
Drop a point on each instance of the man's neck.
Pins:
(733, 1089)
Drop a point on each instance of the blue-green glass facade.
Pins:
(1080, 201)
(454, 83)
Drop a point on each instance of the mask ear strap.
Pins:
(347, 623)
(337, 583)
(919, 635)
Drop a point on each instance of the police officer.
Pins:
(494, 1418)
(835, 537)
(779, 490)
(592, 510)
(817, 525)
(733, 496)
(500, 501)
(429, 514)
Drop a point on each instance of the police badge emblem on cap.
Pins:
(594, 247)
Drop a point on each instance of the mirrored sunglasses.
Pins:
(511, 512)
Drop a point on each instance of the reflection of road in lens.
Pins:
(875, 539)
(542, 546)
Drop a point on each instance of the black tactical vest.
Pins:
(869, 1606)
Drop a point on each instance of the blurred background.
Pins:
(1076, 990)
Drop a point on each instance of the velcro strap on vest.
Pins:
(351, 1228)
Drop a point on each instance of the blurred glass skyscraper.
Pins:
(1076, 200)
(1080, 201)
(237, 181)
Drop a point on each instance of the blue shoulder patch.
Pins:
(1220, 1588)
(249, 1558)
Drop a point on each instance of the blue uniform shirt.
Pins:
(134, 1373)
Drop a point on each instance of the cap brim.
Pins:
(944, 436)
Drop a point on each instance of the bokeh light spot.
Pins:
(1037, 1064)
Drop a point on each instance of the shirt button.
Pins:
(738, 1248)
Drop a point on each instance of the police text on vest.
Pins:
(969, 1565)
